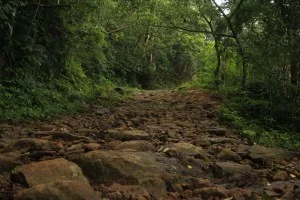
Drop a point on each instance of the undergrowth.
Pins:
(256, 119)
(43, 101)
(254, 115)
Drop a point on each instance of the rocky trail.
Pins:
(156, 145)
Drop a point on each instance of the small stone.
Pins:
(91, 147)
(202, 143)
(293, 176)
(187, 194)
(281, 176)
(202, 182)
(125, 135)
(207, 193)
(75, 147)
(217, 131)
(187, 149)
(271, 193)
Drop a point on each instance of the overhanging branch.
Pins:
(193, 30)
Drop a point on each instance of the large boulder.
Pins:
(121, 167)
(47, 171)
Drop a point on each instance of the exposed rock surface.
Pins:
(58, 190)
(48, 171)
(157, 145)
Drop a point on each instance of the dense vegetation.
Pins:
(57, 54)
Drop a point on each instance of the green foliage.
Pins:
(253, 116)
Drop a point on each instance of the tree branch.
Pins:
(236, 9)
(49, 6)
(192, 30)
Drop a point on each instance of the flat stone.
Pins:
(271, 193)
(155, 186)
(217, 131)
(266, 154)
(32, 144)
(185, 148)
(223, 140)
(128, 192)
(210, 192)
(68, 137)
(138, 145)
(48, 171)
(230, 169)
(124, 135)
(91, 146)
(227, 154)
(127, 168)
(120, 167)
(59, 190)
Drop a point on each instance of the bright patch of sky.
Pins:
(219, 2)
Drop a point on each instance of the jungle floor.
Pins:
(155, 145)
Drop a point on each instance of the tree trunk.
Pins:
(217, 70)
(294, 70)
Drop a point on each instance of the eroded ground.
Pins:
(156, 145)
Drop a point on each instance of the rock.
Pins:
(87, 131)
(201, 142)
(113, 144)
(32, 144)
(133, 168)
(132, 192)
(281, 176)
(185, 149)
(217, 131)
(202, 182)
(125, 135)
(272, 193)
(223, 140)
(120, 167)
(280, 186)
(8, 161)
(59, 190)
(68, 137)
(47, 171)
(138, 145)
(232, 170)
(227, 154)
(155, 186)
(266, 154)
(75, 147)
(207, 193)
(242, 193)
(91, 147)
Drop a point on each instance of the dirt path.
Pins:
(157, 145)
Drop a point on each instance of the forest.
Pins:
(58, 54)
(149, 99)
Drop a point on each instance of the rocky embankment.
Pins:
(156, 145)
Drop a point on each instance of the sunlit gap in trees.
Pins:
(220, 3)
